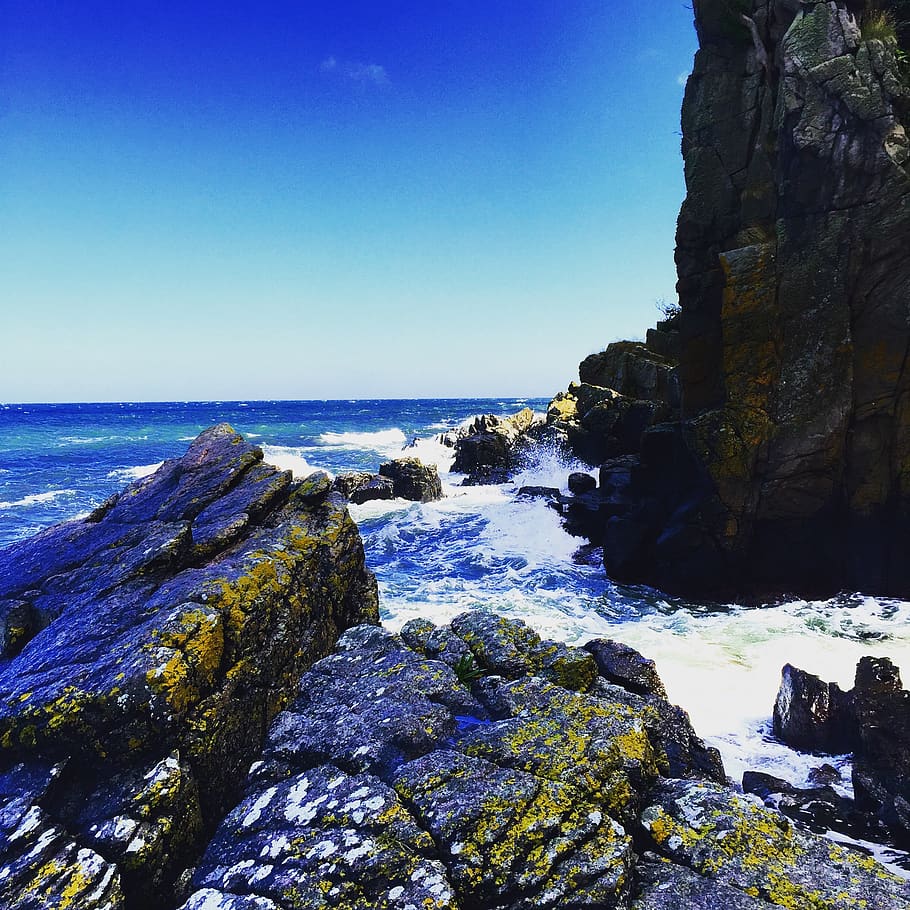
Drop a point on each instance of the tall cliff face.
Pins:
(793, 254)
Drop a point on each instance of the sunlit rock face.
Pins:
(148, 646)
(790, 468)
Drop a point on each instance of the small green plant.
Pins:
(466, 670)
(879, 25)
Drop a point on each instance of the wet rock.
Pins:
(412, 479)
(623, 665)
(174, 621)
(361, 486)
(581, 483)
(819, 808)
(736, 841)
(489, 450)
(813, 715)
(881, 759)
(872, 720)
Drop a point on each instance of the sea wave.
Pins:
(35, 499)
(289, 458)
(384, 441)
(136, 473)
(93, 440)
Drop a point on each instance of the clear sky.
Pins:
(296, 199)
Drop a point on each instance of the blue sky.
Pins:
(303, 199)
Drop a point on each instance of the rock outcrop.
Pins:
(147, 648)
(476, 767)
(411, 479)
(788, 468)
(622, 391)
(489, 449)
(872, 721)
(403, 478)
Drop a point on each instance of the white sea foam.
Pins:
(387, 442)
(289, 458)
(136, 473)
(90, 440)
(35, 499)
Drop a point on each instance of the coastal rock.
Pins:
(872, 720)
(812, 715)
(361, 486)
(581, 483)
(412, 479)
(632, 369)
(395, 780)
(739, 843)
(172, 623)
(620, 664)
(489, 449)
(793, 430)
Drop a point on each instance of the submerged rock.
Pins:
(168, 628)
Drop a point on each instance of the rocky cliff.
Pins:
(789, 466)
(146, 649)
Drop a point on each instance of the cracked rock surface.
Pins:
(154, 642)
(467, 768)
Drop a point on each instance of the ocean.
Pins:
(480, 546)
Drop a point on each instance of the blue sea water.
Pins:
(480, 546)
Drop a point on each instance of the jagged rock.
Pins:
(412, 751)
(819, 808)
(881, 760)
(581, 483)
(411, 479)
(489, 449)
(793, 431)
(736, 841)
(623, 665)
(812, 715)
(665, 886)
(634, 370)
(393, 782)
(361, 486)
(872, 720)
(173, 622)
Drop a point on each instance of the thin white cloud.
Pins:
(356, 71)
(682, 79)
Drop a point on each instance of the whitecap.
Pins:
(136, 473)
(289, 458)
(35, 499)
(387, 442)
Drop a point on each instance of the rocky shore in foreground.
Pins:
(198, 710)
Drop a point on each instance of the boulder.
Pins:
(411, 479)
(167, 630)
(581, 483)
(812, 715)
(626, 667)
(872, 720)
(361, 486)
